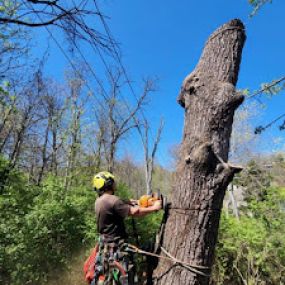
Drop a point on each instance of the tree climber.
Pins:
(110, 213)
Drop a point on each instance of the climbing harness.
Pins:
(113, 264)
(110, 264)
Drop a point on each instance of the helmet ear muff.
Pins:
(108, 182)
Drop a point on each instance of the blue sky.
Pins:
(165, 39)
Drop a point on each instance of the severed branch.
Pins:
(227, 165)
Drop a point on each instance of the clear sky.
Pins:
(164, 38)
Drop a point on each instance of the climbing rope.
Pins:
(191, 267)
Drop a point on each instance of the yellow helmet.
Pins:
(103, 180)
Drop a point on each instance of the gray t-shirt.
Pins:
(110, 213)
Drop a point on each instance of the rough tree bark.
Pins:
(203, 173)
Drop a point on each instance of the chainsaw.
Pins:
(148, 200)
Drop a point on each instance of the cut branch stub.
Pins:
(209, 97)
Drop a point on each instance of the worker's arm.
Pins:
(140, 211)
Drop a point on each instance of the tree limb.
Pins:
(23, 23)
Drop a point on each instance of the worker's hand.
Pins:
(157, 205)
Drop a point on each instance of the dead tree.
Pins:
(149, 154)
(53, 110)
(7, 111)
(71, 17)
(25, 118)
(203, 171)
(115, 117)
(74, 130)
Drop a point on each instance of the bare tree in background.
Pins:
(53, 110)
(115, 117)
(26, 116)
(77, 105)
(149, 151)
(98, 136)
(14, 45)
(242, 147)
(8, 103)
(22, 112)
(203, 173)
(72, 17)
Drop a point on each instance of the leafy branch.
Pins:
(257, 4)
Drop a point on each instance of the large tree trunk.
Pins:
(203, 173)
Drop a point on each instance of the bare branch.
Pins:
(20, 22)
(147, 88)
(158, 137)
(72, 20)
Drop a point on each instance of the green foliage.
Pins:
(15, 202)
(145, 229)
(43, 226)
(256, 180)
(272, 88)
(8, 8)
(251, 250)
(40, 226)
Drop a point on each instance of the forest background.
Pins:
(71, 107)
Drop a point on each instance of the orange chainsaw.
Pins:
(148, 200)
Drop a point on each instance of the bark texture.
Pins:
(203, 172)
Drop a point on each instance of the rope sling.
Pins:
(190, 266)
